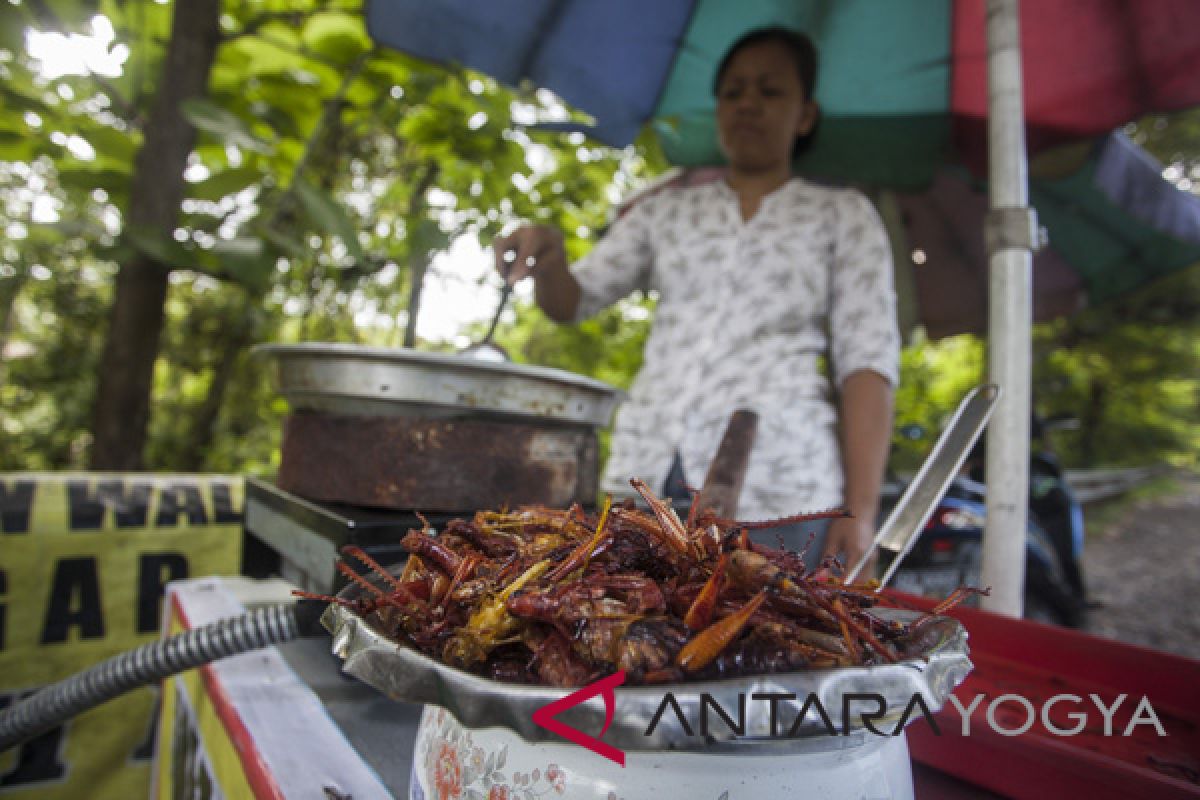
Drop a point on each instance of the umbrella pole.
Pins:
(1011, 236)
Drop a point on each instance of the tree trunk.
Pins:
(122, 408)
(236, 336)
(1093, 419)
(419, 256)
(417, 269)
(9, 289)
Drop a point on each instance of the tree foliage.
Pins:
(1130, 373)
(325, 175)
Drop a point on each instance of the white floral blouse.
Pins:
(747, 313)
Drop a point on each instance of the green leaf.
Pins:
(111, 142)
(386, 70)
(240, 248)
(326, 214)
(73, 14)
(365, 268)
(226, 77)
(119, 251)
(209, 117)
(277, 52)
(14, 147)
(363, 93)
(427, 237)
(286, 244)
(244, 259)
(337, 36)
(224, 183)
(162, 248)
(13, 106)
(12, 28)
(75, 228)
(113, 181)
(287, 106)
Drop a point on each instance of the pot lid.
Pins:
(352, 379)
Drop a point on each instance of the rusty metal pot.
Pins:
(397, 428)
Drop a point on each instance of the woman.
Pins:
(760, 276)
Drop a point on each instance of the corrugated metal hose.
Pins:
(53, 705)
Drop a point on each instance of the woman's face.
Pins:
(761, 107)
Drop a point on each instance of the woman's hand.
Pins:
(538, 250)
(537, 247)
(849, 538)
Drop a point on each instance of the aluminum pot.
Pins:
(348, 379)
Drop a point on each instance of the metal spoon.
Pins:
(485, 349)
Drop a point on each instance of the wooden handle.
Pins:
(726, 474)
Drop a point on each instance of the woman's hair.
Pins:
(803, 53)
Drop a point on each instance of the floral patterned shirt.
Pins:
(747, 313)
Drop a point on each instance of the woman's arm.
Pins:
(866, 432)
(865, 349)
(556, 291)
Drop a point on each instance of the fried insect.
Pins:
(560, 597)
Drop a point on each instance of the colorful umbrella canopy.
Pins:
(1118, 224)
(903, 91)
(1114, 225)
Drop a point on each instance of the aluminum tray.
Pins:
(405, 674)
(355, 380)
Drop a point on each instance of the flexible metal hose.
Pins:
(55, 704)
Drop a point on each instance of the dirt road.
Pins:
(1145, 570)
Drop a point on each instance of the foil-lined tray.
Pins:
(406, 674)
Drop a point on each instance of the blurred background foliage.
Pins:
(327, 176)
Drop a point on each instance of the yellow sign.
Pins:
(203, 753)
(84, 559)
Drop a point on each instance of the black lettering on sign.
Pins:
(85, 509)
(130, 503)
(16, 503)
(223, 510)
(38, 760)
(155, 570)
(3, 609)
(74, 601)
(180, 498)
(145, 750)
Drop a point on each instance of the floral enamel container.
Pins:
(480, 739)
(452, 762)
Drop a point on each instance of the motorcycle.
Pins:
(949, 552)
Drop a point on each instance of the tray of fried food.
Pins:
(495, 616)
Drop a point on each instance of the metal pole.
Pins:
(1011, 235)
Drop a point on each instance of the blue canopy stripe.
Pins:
(610, 58)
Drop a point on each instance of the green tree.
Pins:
(1130, 372)
(122, 405)
(320, 177)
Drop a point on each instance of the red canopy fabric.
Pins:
(1089, 66)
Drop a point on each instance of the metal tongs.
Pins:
(900, 531)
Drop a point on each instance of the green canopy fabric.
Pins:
(883, 86)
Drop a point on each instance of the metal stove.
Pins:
(299, 539)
